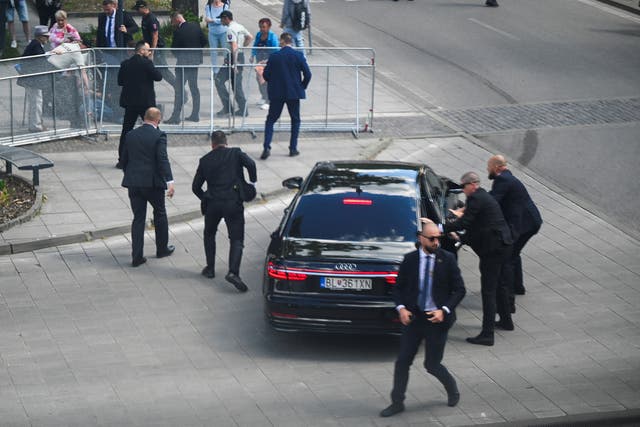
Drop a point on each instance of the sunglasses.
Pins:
(430, 238)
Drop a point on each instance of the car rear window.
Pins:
(357, 205)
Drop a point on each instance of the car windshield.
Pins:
(358, 205)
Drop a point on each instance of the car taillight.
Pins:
(284, 315)
(281, 273)
(361, 202)
(391, 279)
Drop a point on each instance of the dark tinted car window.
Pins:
(357, 205)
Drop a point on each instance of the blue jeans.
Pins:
(216, 41)
(298, 38)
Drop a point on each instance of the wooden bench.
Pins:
(24, 160)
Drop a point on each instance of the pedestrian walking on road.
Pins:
(489, 236)
(427, 291)
(237, 37)
(265, 43)
(186, 37)
(151, 34)
(223, 170)
(288, 75)
(147, 174)
(296, 17)
(521, 214)
(136, 76)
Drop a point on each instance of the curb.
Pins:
(614, 3)
(628, 418)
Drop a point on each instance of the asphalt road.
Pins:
(444, 55)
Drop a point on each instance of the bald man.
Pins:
(147, 174)
(521, 214)
(428, 289)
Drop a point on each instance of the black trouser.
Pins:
(139, 196)
(232, 211)
(131, 114)
(46, 13)
(435, 336)
(516, 260)
(4, 5)
(186, 76)
(495, 292)
(221, 78)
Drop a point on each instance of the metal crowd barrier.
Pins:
(340, 97)
(68, 98)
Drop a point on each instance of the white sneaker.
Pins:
(264, 106)
(14, 44)
(259, 103)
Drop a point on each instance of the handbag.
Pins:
(247, 191)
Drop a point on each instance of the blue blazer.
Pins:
(518, 209)
(288, 75)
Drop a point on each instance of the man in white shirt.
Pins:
(237, 36)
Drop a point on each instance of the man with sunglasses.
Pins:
(490, 238)
(428, 289)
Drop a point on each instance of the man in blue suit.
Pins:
(519, 211)
(287, 74)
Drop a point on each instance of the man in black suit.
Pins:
(222, 169)
(490, 238)
(428, 289)
(115, 26)
(187, 35)
(136, 76)
(147, 174)
(519, 211)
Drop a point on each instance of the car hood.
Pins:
(294, 248)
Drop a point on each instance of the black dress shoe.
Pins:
(208, 272)
(172, 121)
(394, 408)
(119, 165)
(222, 113)
(505, 325)
(491, 3)
(236, 281)
(193, 118)
(519, 291)
(138, 262)
(481, 340)
(265, 154)
(293, 153)
(166, 252)
(453, 398)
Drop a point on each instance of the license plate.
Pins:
(345, 283)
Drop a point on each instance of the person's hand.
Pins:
(405, 316)
(437, 316)
(170, 190)
(457, 212)
(123, 28)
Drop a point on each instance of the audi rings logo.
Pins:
(346, 267)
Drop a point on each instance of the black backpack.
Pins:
(300, 16)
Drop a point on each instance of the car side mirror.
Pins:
(293, 182)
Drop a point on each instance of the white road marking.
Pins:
(612, 10)
(504, 33)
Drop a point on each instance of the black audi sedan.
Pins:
(333, 261)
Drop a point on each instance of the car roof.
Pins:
(369, 164)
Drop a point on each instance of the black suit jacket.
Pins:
(188, 35)
(518, 208)
(35, 65)
(486, 229)
(122, 39)
(220, 169)
(144, 158)
(136, 76)
(447, 286)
